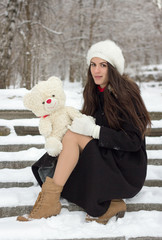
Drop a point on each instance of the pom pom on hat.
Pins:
(109, 51)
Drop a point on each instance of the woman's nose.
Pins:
(97, 69)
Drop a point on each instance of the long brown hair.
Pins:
(121, 95)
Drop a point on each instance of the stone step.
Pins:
(25, 209)
(154, 161)
(33, 130)
(21, 147)
(16, 114)
(16, 201)
(155, 115)
(148, 183)
(155, 132)
(16, 184)
(26, 130)
(4, 131)
(154, 146)
(23, 113)
(23, 164)
(152, 183)
(16, 164)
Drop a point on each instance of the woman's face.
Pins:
(99, 71)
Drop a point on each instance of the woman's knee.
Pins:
(80, 140)
(69, 136)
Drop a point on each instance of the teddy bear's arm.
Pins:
(45, 127)
(73, 112)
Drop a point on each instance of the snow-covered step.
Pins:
(20, 147)
(154, 146)
(156, 115)
(154, 176)
(33, 130)
(24, 177)
(23, 113)
(154, 157)
(15, 147)
(14, 139)
(17, 178)
(15, 143)
(20, 159)
(17, 164)
(154, 143)
(15, 114)
(26, 158)
(15, 201)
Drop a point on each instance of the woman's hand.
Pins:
(85, 125)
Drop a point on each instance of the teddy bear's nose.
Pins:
(48, 101)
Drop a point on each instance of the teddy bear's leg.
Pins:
(53, 146)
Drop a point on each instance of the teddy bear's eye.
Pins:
(43, 102)
(53, 95)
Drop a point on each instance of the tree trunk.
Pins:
(28, 55)
(6, 42)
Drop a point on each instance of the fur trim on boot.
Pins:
(48, 202)
(117, 208)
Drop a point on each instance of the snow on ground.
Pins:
(12, 98)
(151, 93)
(69, 225)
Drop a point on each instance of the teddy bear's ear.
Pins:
(55, 80)
(27, 100)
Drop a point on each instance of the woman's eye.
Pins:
(103, 65)
(53, 95)
(92, 64)
(43, 102)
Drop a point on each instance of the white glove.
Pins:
(85, 125)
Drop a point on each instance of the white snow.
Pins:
(17, 175)
(11, 139)
(151, 93)
(31, 154)
(154, 140)
(72, 225)
(12, 98)
(154, 154)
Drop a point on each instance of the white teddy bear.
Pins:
(47, 101)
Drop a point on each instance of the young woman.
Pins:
(102, 161)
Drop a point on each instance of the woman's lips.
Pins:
(97, 77)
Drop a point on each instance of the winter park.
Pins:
(43, 50)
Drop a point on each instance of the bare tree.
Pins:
(41, 38)
(6, 41)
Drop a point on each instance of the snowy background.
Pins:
(69, 225)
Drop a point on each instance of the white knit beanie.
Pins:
(109, 51)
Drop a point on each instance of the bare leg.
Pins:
(73, 144)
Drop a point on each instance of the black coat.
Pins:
(112, 167)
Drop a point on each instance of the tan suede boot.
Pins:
(48, 202)
(117, 208)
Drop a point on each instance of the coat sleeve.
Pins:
(128, 139)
